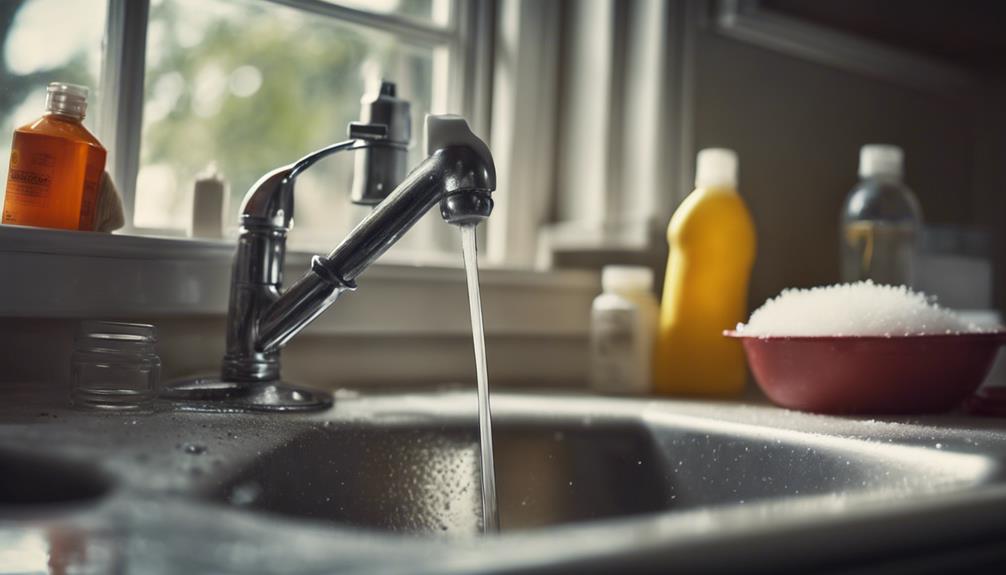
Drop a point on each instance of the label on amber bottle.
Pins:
(30, 178)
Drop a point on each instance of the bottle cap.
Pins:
(626, 278)
(880, 160)
(716, 168)
(210, 172)
(66, 99)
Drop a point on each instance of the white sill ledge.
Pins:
(55, 273)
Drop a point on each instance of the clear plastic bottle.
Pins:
(623, 327)
(115, 366)
(881, 221)
(55, 166)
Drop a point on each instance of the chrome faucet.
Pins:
(459, 176)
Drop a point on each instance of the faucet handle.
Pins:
(446, 130)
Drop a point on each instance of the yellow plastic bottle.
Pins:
(712, 240)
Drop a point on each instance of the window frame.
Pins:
(467, 36)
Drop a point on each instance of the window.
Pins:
(245, 86)
(251, 85)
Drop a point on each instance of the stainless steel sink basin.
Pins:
(425, 477)
(30, 484)
(416, 471)
(390, 483)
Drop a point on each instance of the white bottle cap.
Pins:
(880, 160)
(717, 168)
(616, 279)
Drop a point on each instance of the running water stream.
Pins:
(490, 513)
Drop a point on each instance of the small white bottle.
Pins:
(209, 204)
(623, 329)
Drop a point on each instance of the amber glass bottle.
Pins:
(55, 166)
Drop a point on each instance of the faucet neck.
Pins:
(262, 318)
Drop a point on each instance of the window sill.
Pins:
(65, 274)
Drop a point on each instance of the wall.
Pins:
(796, 99)
(38, 350)
(404, 324)
(797, 125)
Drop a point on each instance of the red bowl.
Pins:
(871, 374)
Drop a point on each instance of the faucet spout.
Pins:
(456, 178)
(460, 177)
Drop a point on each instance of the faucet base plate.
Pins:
(214, 394)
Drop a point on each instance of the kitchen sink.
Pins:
(419, 474)
(426, 478)
(389, 482)
(30, 483)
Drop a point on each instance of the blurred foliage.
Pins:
(304, 102)
(16, 87)
(312, 82)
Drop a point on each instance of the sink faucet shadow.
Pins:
(458, 175)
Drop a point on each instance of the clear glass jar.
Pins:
(115, 366)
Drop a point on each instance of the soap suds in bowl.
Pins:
(856, 309)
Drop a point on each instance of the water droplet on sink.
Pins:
(245, 494)
(194, 449)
